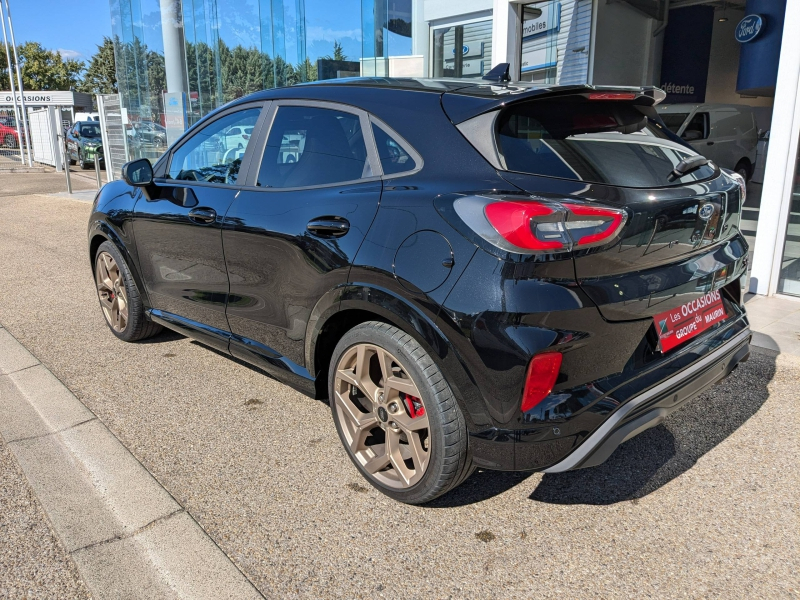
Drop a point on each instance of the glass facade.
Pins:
(475, 42)
(214, 51)
(555, 42)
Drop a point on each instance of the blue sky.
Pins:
(75, 28)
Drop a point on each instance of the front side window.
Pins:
(394, 159)
(213, 154)
(697, 128)
(674, 120)
(310, 146)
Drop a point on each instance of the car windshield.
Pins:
(90, 131)
(673, 120)
(593, 141)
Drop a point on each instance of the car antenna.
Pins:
(498, 73)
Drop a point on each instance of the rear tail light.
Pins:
(542, 374)
(528, 226)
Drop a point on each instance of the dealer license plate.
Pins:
(689, 320)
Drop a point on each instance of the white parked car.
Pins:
(725, 133)
(87, 116)
(237, 137)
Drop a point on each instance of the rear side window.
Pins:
(607, 142)
(310, 146)
(394, 158)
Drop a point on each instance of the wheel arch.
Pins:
(353, 304)
(100, 232)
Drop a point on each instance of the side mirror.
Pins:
(138, 173)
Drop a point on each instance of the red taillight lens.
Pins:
(542, 374)
(612, 96)
(516, 222)
(541, 226)
(590, 224)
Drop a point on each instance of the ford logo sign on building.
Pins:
(748, 28)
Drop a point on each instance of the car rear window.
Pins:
(609, 142)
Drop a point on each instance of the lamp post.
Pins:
(21, 89)
(13, 87)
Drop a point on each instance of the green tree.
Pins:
(101, 76)
(44, 69)
(338, 52)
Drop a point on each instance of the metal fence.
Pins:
(115, 139)
(12, 153)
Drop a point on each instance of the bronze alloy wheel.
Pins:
(111, 290)
(382, 415)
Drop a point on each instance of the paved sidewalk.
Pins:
(123, 530)
(704, 505)
(775, 322)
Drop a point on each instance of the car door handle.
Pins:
(203, 215)
(329, 226)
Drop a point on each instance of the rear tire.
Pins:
(119, 297)
(84, 165)
(412, 457)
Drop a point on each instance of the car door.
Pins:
(292, 233)
(178, 227)
(72, 142)
(724, 136)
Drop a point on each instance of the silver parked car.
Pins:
(725, 133)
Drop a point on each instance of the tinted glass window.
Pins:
(731, 123)
(674, 120)
(592, 141)
(393, 158)
(211, 154)
(90, 131)
(697, 128)
(313, 146)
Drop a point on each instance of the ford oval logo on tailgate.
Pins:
(748, 28)
(706, 211)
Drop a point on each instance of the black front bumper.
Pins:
(633, 407)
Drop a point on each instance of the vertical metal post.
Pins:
(63, 145)
(13, 87)
(21, 89)
(97, 170)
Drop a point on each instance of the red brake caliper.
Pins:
(414, 406)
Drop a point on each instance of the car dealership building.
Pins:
(179, 59)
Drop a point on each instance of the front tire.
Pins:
(84, 165)
(743, 169)
(119, 297)
(10, 141)
(396, 415)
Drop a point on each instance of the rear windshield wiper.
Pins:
(686, 166)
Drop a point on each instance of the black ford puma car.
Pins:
(474, 273)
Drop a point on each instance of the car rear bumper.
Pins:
(632, 407)
(651, 407)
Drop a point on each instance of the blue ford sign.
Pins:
(748, 28)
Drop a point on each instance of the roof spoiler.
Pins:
(486, 96)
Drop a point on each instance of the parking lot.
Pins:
(704, 505)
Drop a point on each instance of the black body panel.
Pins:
(256, 282)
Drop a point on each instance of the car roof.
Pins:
(463, 98)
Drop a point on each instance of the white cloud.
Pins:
(315, 33)
(69, 54)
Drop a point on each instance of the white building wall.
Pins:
(446, 9)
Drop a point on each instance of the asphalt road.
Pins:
(705, 505)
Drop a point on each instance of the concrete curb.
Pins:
(126, 533)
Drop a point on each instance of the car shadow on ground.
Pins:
(650, 460)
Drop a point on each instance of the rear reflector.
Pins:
(612, 96)
(542, 374)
